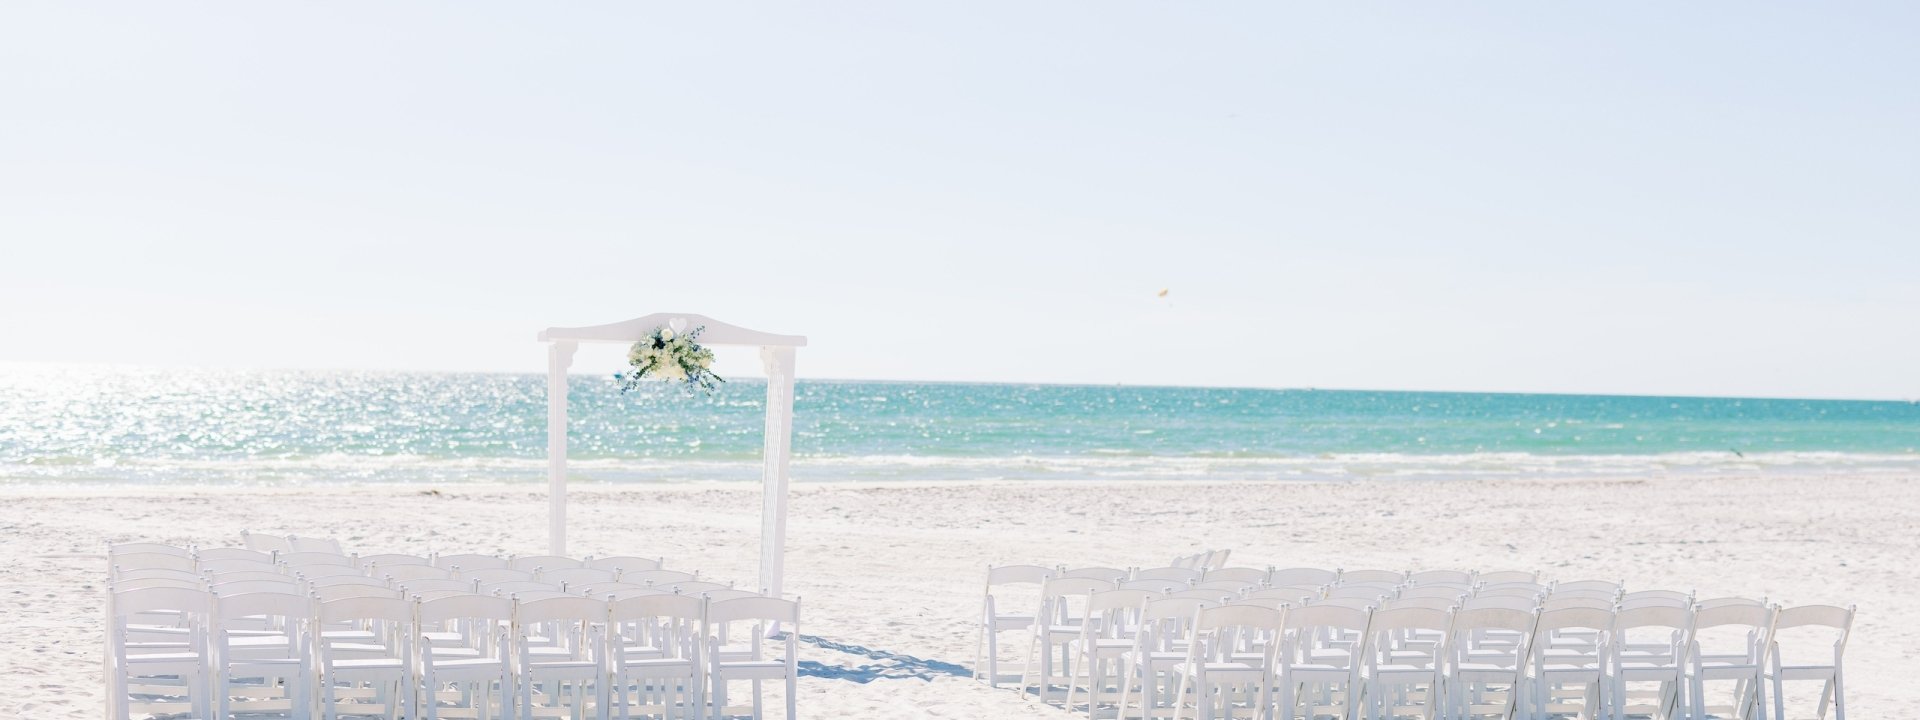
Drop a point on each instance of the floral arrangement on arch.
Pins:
(668, 355)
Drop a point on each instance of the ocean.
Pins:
(87, 424)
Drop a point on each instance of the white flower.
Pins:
(666, 334)
(706, 361)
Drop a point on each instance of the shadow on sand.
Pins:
(887, 666)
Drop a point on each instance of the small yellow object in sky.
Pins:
(1163, 293)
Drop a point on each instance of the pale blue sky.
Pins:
(1642, 197)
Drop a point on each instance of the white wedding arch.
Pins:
(776, 354)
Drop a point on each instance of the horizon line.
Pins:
(1256, 388)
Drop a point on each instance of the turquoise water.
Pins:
(93, 424)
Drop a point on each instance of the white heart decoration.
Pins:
(677, 325)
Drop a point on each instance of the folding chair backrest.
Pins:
(155, 573)
(1499, 577)
(493, 575)
(314, 544)
(305, 559)
(1113, 575)
(1571, 602)
(1433, 591)
(161, 599)
(616, 589)
(1594, 586)
(1214, 559)
(1387, 577)
(625, 563)
(655, 577)
(530, 563)
(166, 582)
(1450, 577)
(575, 576)
(1292, 594)
(1183, 575)
(389, 560)
(1669, 624)
(342, 592)
(405, 574)
(1570, 618)
(1111, 613)
(479, 619)
(1217, 597)
(1393, 640)
(1712, 603)
(311, 572)
(1791, 628)
(1302, 576)
(1351, 603)
(430, 585)
(1731, 628)
(1430, 603)
(1159, 586)
(509, 587)
(147, 547)
(469, 561)
(1310, 624)
(1672, 595)
(1374, 593)
(695, 587)
(233, 565)
(726, 594)
(1222, 631)
(1017, 575)
(265, 543)
(671, 624)
(285, 586)
(126, 562)
(242, 575)
(1500, 602)
(564, 621)
(342, 580)
(1247, 575)
(248, 608)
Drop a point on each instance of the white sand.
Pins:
(897, 568)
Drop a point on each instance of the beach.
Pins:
(890, 573)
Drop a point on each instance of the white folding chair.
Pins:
(157, 678)
(1404, 652)
(465, 644)
(279, 665)
(1112, 619)
(561, 652)
(1159, 645)
(1728, 641)
(1648, 646)
(1229, 665)
(1793, 623)
(1476, 667)
(1555, 669)
(760, 613)
(1063, 602)
(492, 575)
(654, 646)
(375, 670)
(1311, 677)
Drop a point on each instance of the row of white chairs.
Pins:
(1351, 638)
(315, 570)
(648, 654)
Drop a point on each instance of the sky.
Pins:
(1714, 198)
